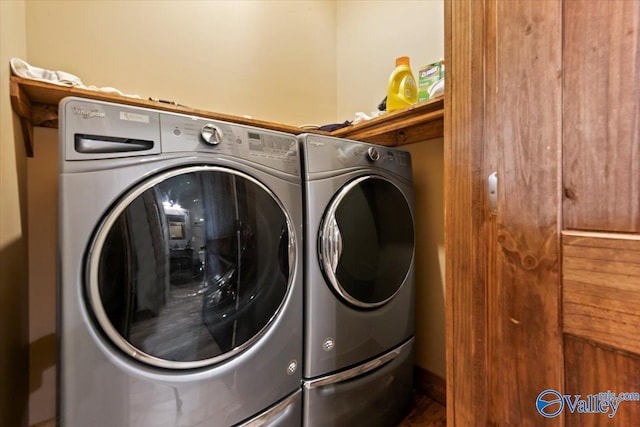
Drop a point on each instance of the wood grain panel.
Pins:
(415, 114)
(601, 112)
(591, 369)
(427, 128)
(601, 288)
(523, 122)
(388, 123)
(465, 243)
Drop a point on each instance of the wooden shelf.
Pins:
(36, 103)
(417, 123)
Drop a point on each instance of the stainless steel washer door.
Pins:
(366, 241)
(190, 267)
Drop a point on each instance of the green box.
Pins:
(427, 76)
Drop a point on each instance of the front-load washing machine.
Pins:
(359, 283)
(180, 298)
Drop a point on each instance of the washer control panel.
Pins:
(277, 150)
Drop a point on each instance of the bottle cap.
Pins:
(402, 60)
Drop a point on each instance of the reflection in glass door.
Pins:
(191, 267)
(367, 241)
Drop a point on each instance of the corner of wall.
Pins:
(14, 319)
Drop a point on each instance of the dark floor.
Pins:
(425, 413)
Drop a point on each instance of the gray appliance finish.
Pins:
(180, 271)
(359, 282)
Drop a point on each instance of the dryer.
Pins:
(359, 282)
(180, 285)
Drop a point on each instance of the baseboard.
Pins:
(430, 384)
(47, 423)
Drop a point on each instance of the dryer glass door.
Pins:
(190, 267)
(366, 241)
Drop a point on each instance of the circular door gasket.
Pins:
(92, 288)
(366, 241)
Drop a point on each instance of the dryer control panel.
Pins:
(329, 154)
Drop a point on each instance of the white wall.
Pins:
(273, 60)
(293, 62)
(428, 181)
(13, 231)
(371, 35)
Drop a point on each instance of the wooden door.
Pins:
(540, 294)
(502, 114)
(601, 207)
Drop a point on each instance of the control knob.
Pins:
(211, 134)
(373, 153)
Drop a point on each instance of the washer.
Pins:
(180, 285)
(359, 283)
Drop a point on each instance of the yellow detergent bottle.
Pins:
(403, 90)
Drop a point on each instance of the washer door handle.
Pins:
(332, 243)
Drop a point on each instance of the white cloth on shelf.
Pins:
(22, 69)
(362, 117)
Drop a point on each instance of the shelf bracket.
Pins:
(22, 107)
